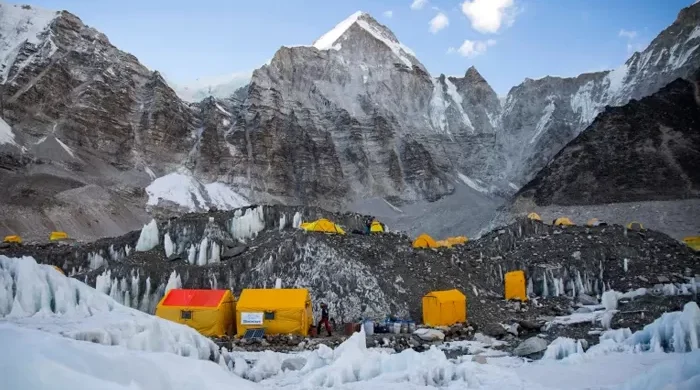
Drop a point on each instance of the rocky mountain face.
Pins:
(354, 116)
(94, 122)
(541, 116)
(648, 149)
(373, 276)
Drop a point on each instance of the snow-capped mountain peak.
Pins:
(334, 38)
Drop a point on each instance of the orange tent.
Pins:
(210, 312)
(425, 241)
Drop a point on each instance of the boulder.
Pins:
(531, 346)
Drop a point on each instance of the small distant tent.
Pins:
(59, 269)
(376, 227)
(13, 239)
(444, 308)
(534, 217)
(636, 226)
(323, 226)
(58, 236)
(210, 312)
(443, 244)
(425, 241)
(458, 240)
(594, 222)
(693, 242)
(563, 221)
(514, 283)
(277, 311)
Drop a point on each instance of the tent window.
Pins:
(269, 315)
(186, 314)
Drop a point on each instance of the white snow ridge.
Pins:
(185, 191)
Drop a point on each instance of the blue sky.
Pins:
(186, 40)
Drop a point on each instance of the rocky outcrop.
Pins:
(645, 150)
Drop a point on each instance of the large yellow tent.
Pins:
(277, 310)
(563, 221)
(444, 308)
(534, 217)
(693, 242)
(376, 227)
(322, 225)
(210, 312)
(514, 283)
(58, 236)
(13, 239)
(425, 241)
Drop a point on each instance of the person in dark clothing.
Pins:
(368, 225)
(324, 320)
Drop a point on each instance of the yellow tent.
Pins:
(376, 227)
(59, 269)
(637, 226)
(444, 308)
(425, 241)
(210, 312)
(514, 282)
(277, 310)
(459, 240)
(563, 221)
(693, 242)
(57, 236)
(14, 239)
(322, 225)
(534, 217)
(443, 244)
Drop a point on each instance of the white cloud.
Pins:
(418, 4)
(627, 34)
(439, 22)
(472, 49)
(388, 14)
(488, 16)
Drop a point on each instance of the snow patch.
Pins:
(148, 239)
(168, 245)
(678, 332)
(474, 184)
(20, 26)
(544, 119)
(6, 134)
(186, 191)
(562, 347)
(457, 98)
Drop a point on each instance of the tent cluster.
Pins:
(54, 236)
(593, 222)
(425, 241)
(215, 313)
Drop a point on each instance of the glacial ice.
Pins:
(149, 237)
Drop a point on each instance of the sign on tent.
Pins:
(252, 318)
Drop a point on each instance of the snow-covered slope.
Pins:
(185, 191)
(39, 297)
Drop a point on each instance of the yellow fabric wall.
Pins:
(444, 308)
(292, 310)
(209, 321)
(514, 282)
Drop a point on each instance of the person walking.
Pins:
(324, 320)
